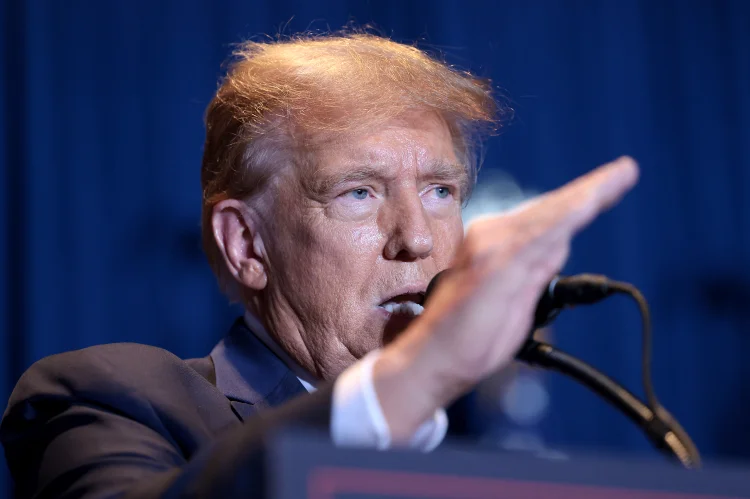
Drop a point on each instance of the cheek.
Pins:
(335, 250)
(347, 246)
(448, 240)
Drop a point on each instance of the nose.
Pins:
(410, 233)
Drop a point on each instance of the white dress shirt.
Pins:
(356, 416)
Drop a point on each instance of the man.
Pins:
(333, 176)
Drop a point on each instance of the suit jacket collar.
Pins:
(248, 372)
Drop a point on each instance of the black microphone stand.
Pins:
(659, 426)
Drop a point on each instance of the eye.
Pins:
(442, 192)
(359, 194)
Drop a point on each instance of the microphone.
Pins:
(562, 292)
(660, 427)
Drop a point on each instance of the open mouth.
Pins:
(409, 304)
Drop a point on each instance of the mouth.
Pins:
(408, 304)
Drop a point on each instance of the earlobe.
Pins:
(253, 275)
(237, 237)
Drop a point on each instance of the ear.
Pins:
(239, 241)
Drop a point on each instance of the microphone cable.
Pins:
(660, 426)
(691, 456)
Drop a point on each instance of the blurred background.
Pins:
(101, 108)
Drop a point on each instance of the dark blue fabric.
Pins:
(247, 371)
(101, 108)
(134, 421)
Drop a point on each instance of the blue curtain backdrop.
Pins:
(101, 106)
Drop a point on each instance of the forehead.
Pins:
(418, 142)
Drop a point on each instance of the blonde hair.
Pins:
(275, 91)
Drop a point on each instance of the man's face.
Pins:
(354, 238)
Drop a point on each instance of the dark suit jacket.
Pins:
(131, 420)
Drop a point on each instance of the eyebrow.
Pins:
(437, 170)
(359, 173)
(450, 173)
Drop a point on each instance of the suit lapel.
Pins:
(288, 388)
(250, 375)
(243, 410)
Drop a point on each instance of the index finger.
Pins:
(577, 203)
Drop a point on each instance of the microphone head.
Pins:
(547, 308)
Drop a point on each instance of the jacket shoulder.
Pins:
(96, 369)
(140, 381)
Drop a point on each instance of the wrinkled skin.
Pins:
(367, 217)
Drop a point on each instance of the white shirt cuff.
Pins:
(357, 419)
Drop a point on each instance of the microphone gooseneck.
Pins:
(660, 427)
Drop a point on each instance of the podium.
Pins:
(303, 464)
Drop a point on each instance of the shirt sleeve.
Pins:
(357, 419)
